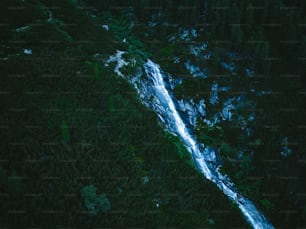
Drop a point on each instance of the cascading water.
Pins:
(153, 92)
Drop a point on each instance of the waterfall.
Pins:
(153, 92)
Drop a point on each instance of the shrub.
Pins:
(93, 202)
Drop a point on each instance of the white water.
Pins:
(154, 93)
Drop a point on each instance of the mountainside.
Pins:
(78, 147)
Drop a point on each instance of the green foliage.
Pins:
(167, 51)
(266, 204)
(209, 135)
(75, 1)
(3, 177)
(96, 70)
(65, 132)
(226, 149)
(12, 184)
(111, 104)
(256, 143)
(94, 67)
(93, 202)
(181, 149)
(15, 184)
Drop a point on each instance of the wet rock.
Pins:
(214, 94)
(201, 108)
(195, 70)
